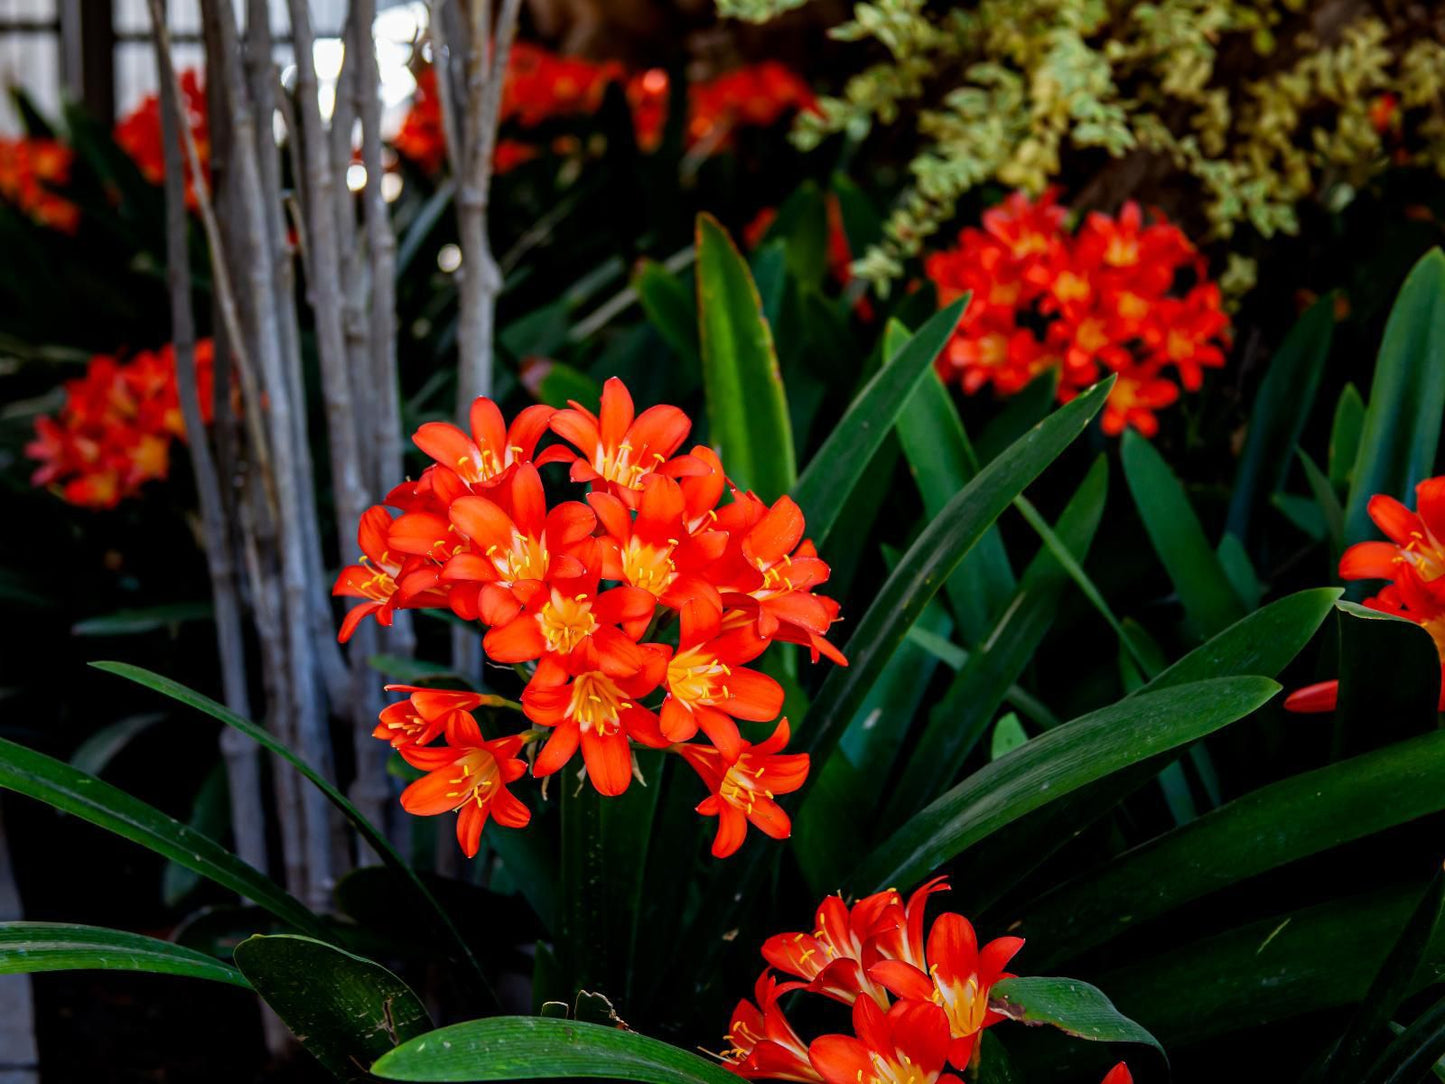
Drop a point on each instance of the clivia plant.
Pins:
(779, 661)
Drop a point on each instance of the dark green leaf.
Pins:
(959, 719)
(670, 308)
(130, 622)
(1345, 436)
(1317, 958)
(93, 754)
(1209, 600)
(1053, 765)
(1401, 430)
(1389, 680)
(364, 828)
(1263, 643)
(931, 559)
(1415, 1053)
(346, 1010)
(832, 473)
(1280, 410)
(1368, 1030)
(1327, 501)
(1073, 1007)
(1281, 823)
(747, 408)
(28, 947)
(540, 1048)
(58, 784)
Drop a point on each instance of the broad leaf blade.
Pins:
(1407, 397)
(1073, 1007)
(1270, 827)
(346, 1010)
(1263, 643)
(834, 470)
(747, 409)
(1052, 766)
(58, 784)
(29, 947)
(541, 1048)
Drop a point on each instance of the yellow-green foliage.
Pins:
(1001, 89)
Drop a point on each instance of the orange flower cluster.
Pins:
(757, 95)
(582, 593)
(541, 86)
(115, 430)
(1101, 300)
(139, 134)
(30, 172)
(920, 1001)
(1413, 560)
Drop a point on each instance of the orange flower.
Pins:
(469, 779)
(907, 1044)
(919, 1003)
(1086, 304)
(31, 172)
(1413, 560)
(618, 449)
(599, 712)
(744, 788)
(476, 534)
(762, 1044)
(115, 430)
(1118, 1075)
(139, 134)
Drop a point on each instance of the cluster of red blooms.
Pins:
(582, 590)
(139, 133)
(920, 1001)
(31, 170)
(115, 430)
(1097, 301)
(541, 85)
(1413, 560)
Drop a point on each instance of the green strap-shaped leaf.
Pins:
(346, 1010)
(1407, 398)
(541, 1048)
(973, 698)
(58, 784)
(1053, 765)
(28, 947)
(364, 828)
(1267, 828)
(1208, 597)
(1263, 643)
(1368, 1029)
(1349, 422)
(747, 409)
(942, 462)
(1283, 966)
(1283, 404)
(832, 473)
(1073, 1007)
(930, 560)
